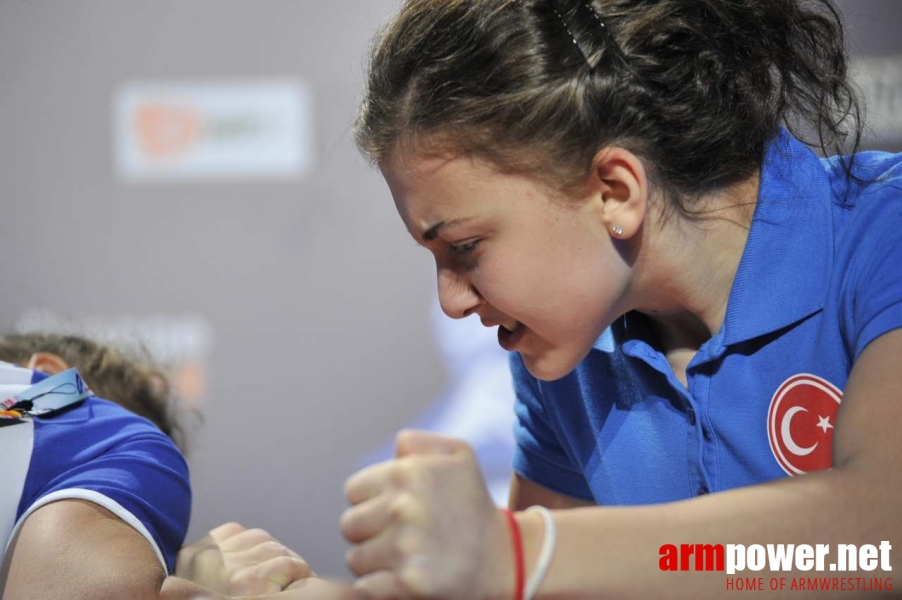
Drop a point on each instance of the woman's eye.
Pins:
(464, 249)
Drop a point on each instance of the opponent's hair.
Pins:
(135, 385)
(697, 88)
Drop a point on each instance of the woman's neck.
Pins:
(684, 280)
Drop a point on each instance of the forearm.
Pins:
(77, 550)
(615, 552)
(94, 582)
(171, 588)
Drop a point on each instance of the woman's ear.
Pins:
(624, 193)
(47, 362)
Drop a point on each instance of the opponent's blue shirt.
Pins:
(98, 452)
(819, 279)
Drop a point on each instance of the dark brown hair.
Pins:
(697, 88)
(135, 385)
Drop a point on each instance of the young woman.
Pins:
(95, 500)
(689, 293)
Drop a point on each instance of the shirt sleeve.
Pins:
(875, 269)
(539, 456)
(104, 454)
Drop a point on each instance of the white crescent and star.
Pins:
(785, 428)
(803, 393)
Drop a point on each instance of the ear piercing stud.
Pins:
(617, 229)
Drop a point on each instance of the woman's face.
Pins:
(543, 269)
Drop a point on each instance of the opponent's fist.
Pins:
(235, 561)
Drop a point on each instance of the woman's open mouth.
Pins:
(510, 335)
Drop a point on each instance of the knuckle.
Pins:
(348, 526)
(399, 475)
(260, 535)
(228, 530)
(404, 508)
(409, 542)
(416, 581)
(404, 439)
(246, 581)
(302, 566)
(354, 559)
(274, 548)
(207, 557)
(346, 523)
(282, 564)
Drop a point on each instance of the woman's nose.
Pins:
(456, 294)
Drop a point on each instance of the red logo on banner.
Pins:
(800, 423)
(167, 131)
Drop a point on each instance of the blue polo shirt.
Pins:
(819, 279)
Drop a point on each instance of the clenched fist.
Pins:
(424, 525)
(235, 561)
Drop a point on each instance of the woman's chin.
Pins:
(549, 365)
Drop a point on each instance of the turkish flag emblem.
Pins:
(800, 423)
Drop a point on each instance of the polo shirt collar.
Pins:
(785, 268)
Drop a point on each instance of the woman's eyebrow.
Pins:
(432, 233)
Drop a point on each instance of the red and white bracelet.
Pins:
(524, 590)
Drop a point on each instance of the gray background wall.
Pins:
(316, 296)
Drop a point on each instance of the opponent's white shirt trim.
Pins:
(16, 442)
(101, 500)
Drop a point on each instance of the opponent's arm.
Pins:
(77, 550)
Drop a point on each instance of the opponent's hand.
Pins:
(235, 561)
(425, 526)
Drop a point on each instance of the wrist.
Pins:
(500, 576)
(499, 572)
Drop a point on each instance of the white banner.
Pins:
(213, 131)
